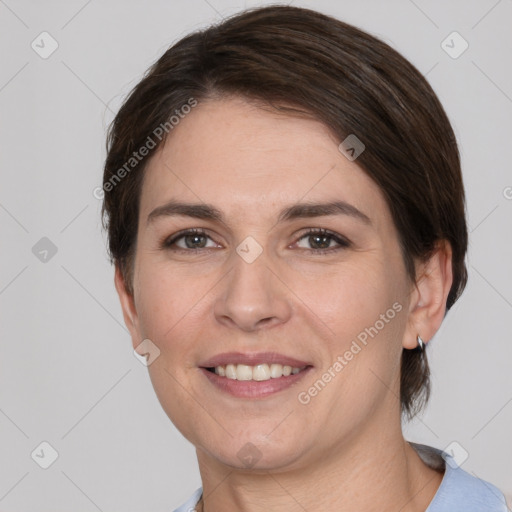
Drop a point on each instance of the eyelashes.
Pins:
(316, 236)
(168, 243)
(324, 234)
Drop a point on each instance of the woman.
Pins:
(285, 211)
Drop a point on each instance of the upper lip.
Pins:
(252, 359)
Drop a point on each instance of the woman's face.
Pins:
(254, 281)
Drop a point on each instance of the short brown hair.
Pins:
(300, 61)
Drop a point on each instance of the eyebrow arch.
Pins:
(296, 211)
(308, 210)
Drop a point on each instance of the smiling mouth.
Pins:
(259, 372)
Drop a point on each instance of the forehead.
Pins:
(239, 156)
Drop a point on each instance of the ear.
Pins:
(128, 306)
(429, 294)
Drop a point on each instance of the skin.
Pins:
(344, 450)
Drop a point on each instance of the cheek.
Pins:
(361, 306)
(350, 297)
(171, 311)
(168, 301)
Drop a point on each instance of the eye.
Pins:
(188, 240)
(320, 241)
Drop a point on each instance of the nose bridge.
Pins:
(253, 296)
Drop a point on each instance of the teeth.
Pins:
(243, 372)
(230, 371)
(276, 370)
(259, 372)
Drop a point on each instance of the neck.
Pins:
(373, 471)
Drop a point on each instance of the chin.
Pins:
(255, 452)
(262, 462)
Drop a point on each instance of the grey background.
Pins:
(67, 372)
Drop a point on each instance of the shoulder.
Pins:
(459, 490)
(190, 504)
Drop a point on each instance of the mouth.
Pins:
(254, 375)
(259, 372)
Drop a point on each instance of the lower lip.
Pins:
(253, 388)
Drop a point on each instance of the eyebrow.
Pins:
(296, 211)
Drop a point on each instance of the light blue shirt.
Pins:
(459, 491)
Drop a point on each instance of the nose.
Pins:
(253, 296)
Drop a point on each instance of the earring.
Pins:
(421, 343)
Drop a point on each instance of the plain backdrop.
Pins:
(68, 376)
